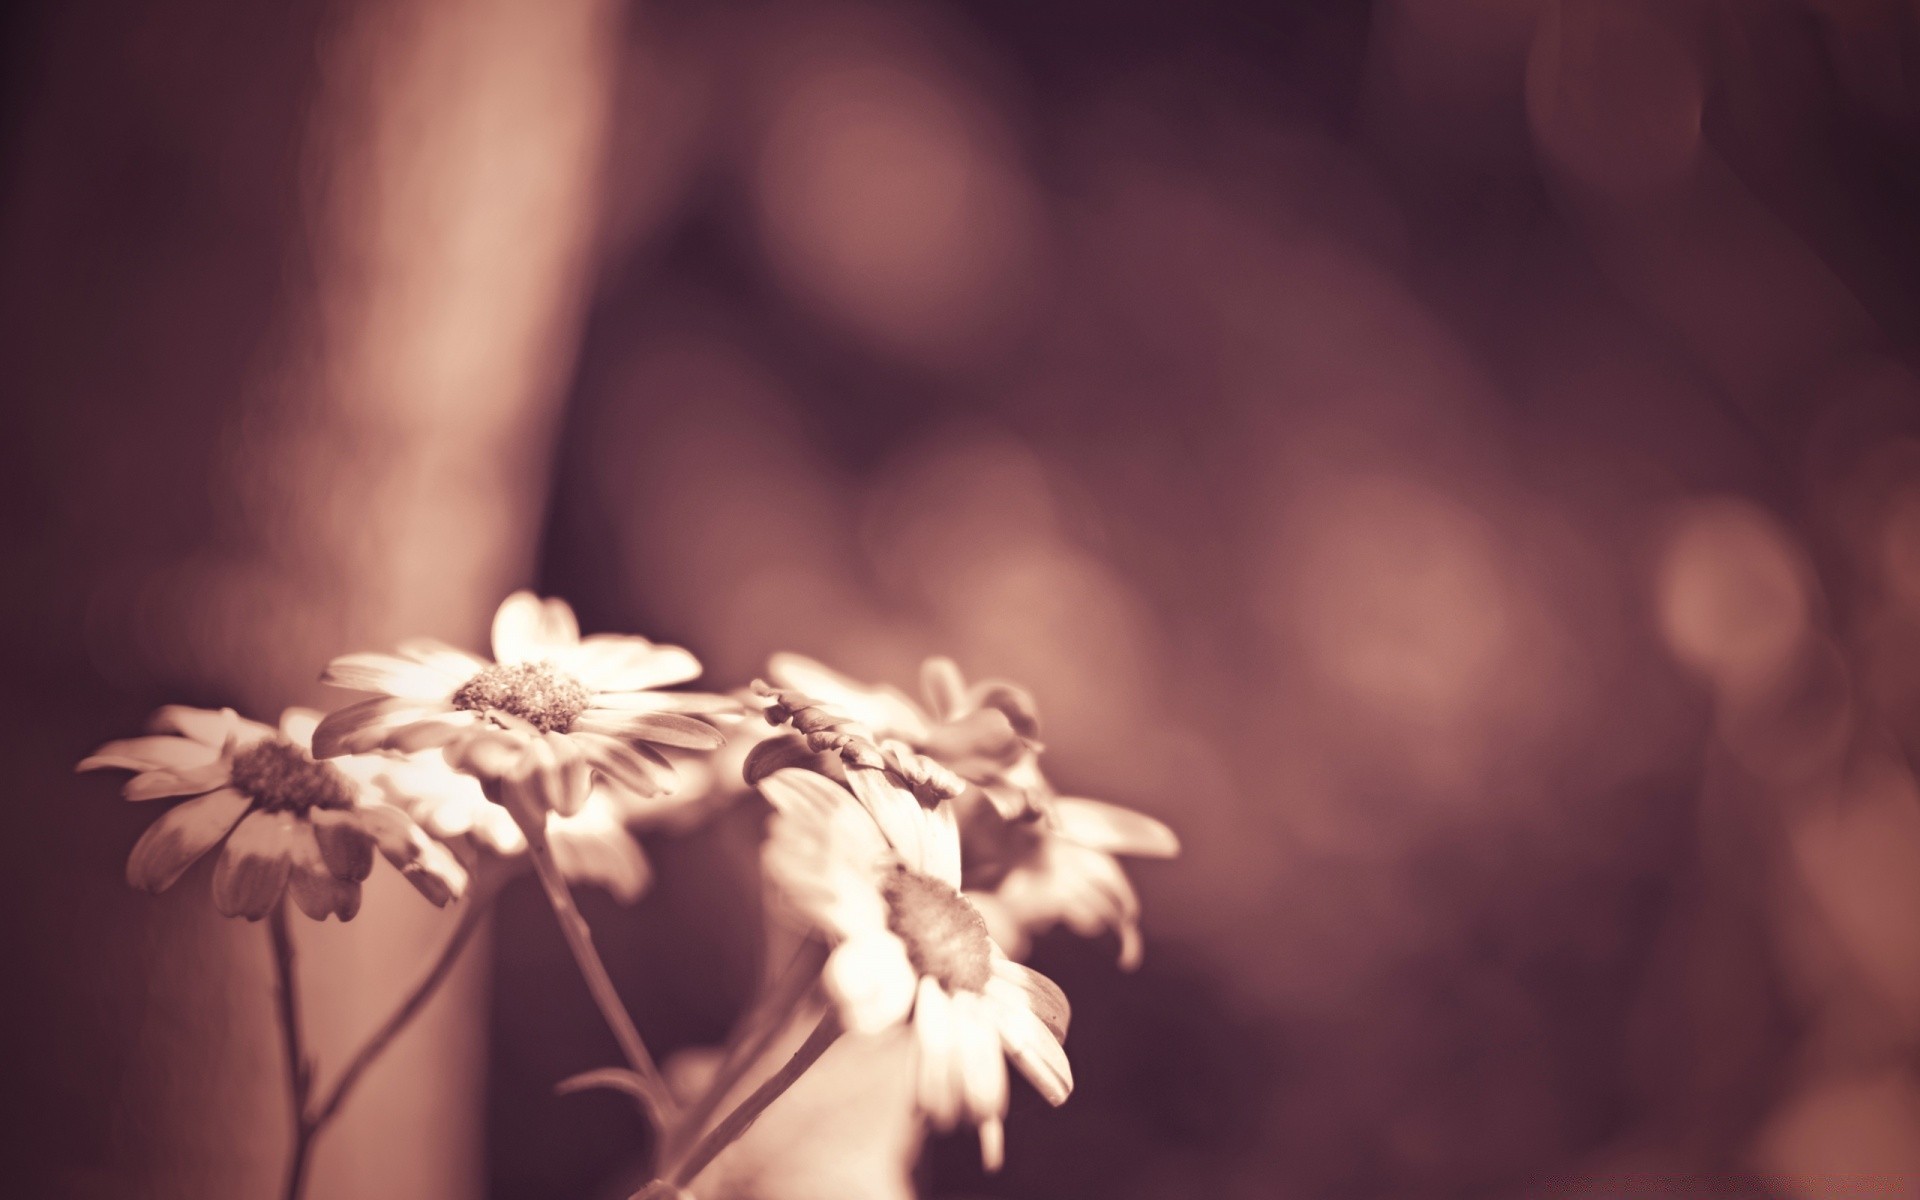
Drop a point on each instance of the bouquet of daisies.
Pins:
(914, 849)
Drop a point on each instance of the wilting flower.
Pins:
(289, 823)
(573, 707)
(907, 946)
(1058, 868)
(594, 845)
(987, 735)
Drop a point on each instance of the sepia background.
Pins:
(1457, 463)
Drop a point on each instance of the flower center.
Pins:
(278, 776)
(543, 697)
(946, 938)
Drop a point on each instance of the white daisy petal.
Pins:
(528, 629)
(319, 893)
(206, 726)
(983, 1067)
(297, 726)
(450, 661)
(391, 675)
(598, 850)
(180, 836)
(1033, 1049)
(940, 842)
(938, 1085)
(708, 703)
(944, 687)
(190, 781)
(620, 663)
(1115, 830)
(364, 725)
(154, 752)
(635, 768)
(346, 847)
(993, 1135)
(660, 728)
(895, 811)
(252, 872)
(871, 981)
(1028, 987)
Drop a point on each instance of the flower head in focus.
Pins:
(1034, 858)
(288, 823)
(1059, 868)
(908, 947)
(987, 734)
(551, 712)
(594, 845)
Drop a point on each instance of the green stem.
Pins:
(740, 1119)
(762, 1026)
(599, 983)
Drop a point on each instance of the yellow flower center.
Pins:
(946, 938)
(278, 776)
(537, 693)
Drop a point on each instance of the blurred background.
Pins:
(1457, 463)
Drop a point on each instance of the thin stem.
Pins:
(762, 1025)
(599, 983)
(740, 1119)
(473, 912)
(299, 1070)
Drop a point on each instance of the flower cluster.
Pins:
(917, 847)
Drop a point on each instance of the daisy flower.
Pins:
(908, 948)
(1059, 868)
(576, 708)
(285, 823)
(594, 845)
(987, 734)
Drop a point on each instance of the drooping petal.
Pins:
(938, 1086)
(568, 780)
(192, 781)
(365, 725)
(895, 811)
(780, 753)
(315, 888)
(871, 981)
(430, 867)
(944, 687)
(436, 679)
(346, 847)
(1033, 1049)
(181, 835)
(940, 842)
(800, 792)
(660, 728)
(1028, 987)
(252, 872)
(1012, 701)
(983, 1068)
(600, 852)
(529, 629)
(154, 752)
(635, 768)
(1115, 830)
